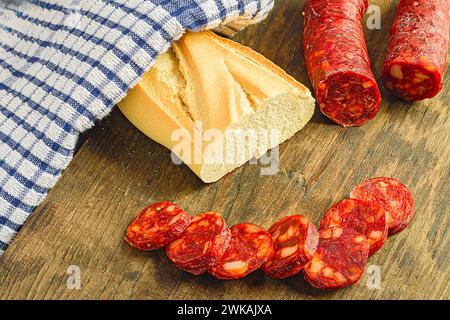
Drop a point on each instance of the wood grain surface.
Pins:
(117, 171)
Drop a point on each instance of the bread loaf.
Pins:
(234, 27)
(216, 104)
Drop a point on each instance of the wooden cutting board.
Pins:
(117, 171)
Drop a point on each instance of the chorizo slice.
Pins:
(365, 217)
(339, 260)
(295, 241)
(393, 196)
(415, 61)
(338, 62)
(156, 226)
(249, 248)
(201, 245)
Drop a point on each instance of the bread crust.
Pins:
(224, 86)
(257, 57)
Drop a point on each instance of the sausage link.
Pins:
(338, 62)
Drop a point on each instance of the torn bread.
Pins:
(217, 104)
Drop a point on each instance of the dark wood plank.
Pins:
(118, 170)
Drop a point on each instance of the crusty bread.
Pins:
(219, 90)
(230, 29)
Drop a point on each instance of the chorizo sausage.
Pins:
(156, 226)
(365, 217)
(250, 247)
(338, 62)
(415, 60)
(295, 241)
(339, 260)
(393, 196)
(201, 245)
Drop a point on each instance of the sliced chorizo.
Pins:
(365, 217)
(339, 260)
(156, 226)
(393, 196)
(338, 62)
(201, 245)
(415, 62)
(295, 241)
(249, 248)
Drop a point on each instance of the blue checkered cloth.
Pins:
(64, 64)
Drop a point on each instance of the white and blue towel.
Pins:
(64, 64)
